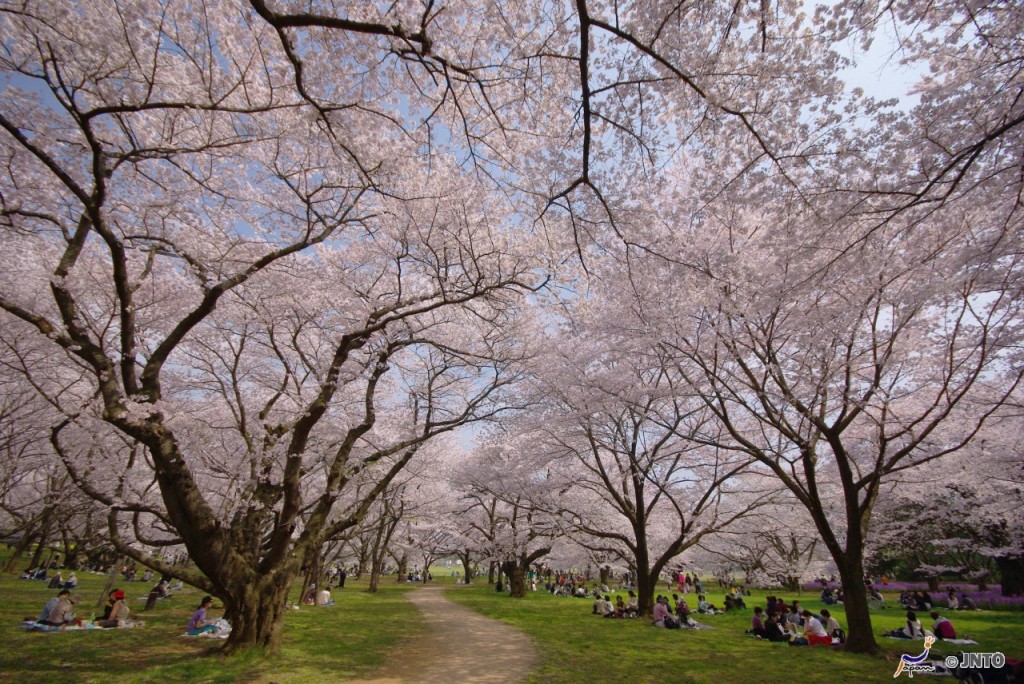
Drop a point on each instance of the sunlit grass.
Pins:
(579, 647)
(354, 639)
(349, 640)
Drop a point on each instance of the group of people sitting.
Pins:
(604, 607)
(59, 611)
(941, 629)
(917, 600)
(663, 616)
(920, 601)
(312, 597)
(800, 627)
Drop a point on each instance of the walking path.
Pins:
(459, 645)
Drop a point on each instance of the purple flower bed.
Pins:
(989, 598)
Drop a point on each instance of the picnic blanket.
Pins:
(222, 632)
(33, 626)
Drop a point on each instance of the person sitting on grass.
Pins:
(757, 624)
(951, 600)
(772, 630)
(912, 630)
(682, 610)
(44, 615)
(661, 613)
(323, 597)
(943, 628)
(118, 614)
(198, 623)
(633, 604)
(814, 631)
(63, 612)
(967, 603)
(832, 626)
(620, 607)
(704, 607)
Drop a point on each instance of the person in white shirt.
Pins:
(814, 631)
(323, 597)
(832, 626)
(912, 630)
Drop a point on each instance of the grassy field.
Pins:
(354, 639)
(579, 647)
(349, 640)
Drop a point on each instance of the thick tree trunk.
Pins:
(859, 636)
(257, 614)
(468, 572)
(1011, 572)
(516, 573)
(606, 573)
(491, 568)
(646, 585)
(645, 588)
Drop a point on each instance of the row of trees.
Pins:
(262, 259)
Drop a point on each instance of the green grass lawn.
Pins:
(576, 646)
(349, 640)
(354, 639)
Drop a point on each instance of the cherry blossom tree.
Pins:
(623, 471)
(244, 279)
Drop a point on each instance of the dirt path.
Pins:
(459, 646)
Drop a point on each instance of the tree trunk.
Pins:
(491, 568)
(403, 567)
(1011, 572)
(19, 549)
(465, 558)
(646, 584)
(645, 588)
(859, 636)
(44, 534)
(516, 573)
(606, 573)
(257, 614)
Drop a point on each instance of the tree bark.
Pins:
(467, 571)
(257, 614)
(516, 574)
(19, 549)
(859, 636)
